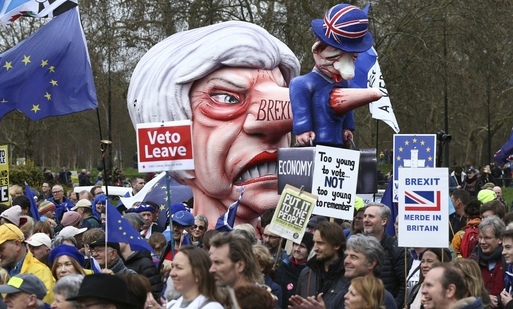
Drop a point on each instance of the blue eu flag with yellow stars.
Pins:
(48, 73)
(413, 151)
(118, 229)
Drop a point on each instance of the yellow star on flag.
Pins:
(406, 142)
(398, 158)
(422, 143)
(414, 140)
(51, 69)
(35, 108)
(53, 82)
(48, 96)
(401, 149)
(428, 149)
(26, 59)
(44, 63)
(3, 101)
(8, 65)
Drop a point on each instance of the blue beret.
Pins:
(67, 250)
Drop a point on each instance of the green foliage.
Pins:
(30, 173)
(507, 195)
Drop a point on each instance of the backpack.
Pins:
(469, 241)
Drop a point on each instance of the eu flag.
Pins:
(33, 206)
(226, 221)
(49, 73)
(505, 154)
(119, 230)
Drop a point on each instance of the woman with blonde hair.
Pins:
(365, 293)
(191, 278)
(66, 260)
(474, 280)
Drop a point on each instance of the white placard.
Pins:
(423, 208)
(334, 181)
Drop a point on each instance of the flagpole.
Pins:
(104, 144)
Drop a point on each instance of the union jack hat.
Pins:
(344, 27)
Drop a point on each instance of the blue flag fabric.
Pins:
(505, 153)
(388, 199)
(119, 230)
(226, 221)
(33, 206)
(49, 73)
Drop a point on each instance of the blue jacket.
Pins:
(62, 207)
(309, 96)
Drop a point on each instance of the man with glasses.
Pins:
(16, 259)
(62, 203)
(110, 257)
(45, 192)
(24, 291)
(273, 242)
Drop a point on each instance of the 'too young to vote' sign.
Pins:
(292, 213)
(165, 146)
(334, 181)
(423, 208)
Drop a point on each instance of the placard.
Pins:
(335, 180)
(165, 146)
(423, 208)
(4, 174)
(292, 213)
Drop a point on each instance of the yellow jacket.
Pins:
(31, 265)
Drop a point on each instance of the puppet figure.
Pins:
(232, 80)
(322, 102)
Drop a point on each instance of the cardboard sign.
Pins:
(335, 180)
(292, 213)
(4, 174)
(412, 151)
(423, 208)
(295, 167)
(165, 146)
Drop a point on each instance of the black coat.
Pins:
(287, 276)
(142, 263)
(392, 271)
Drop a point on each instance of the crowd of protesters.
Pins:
(64, 259)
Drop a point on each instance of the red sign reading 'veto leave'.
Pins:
(165, 146)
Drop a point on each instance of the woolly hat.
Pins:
(71, 218)
(486, 195)
(358, 203)
(314, 221)
(45, 207)
(12, 214)
(308, 241)
(67, 250)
